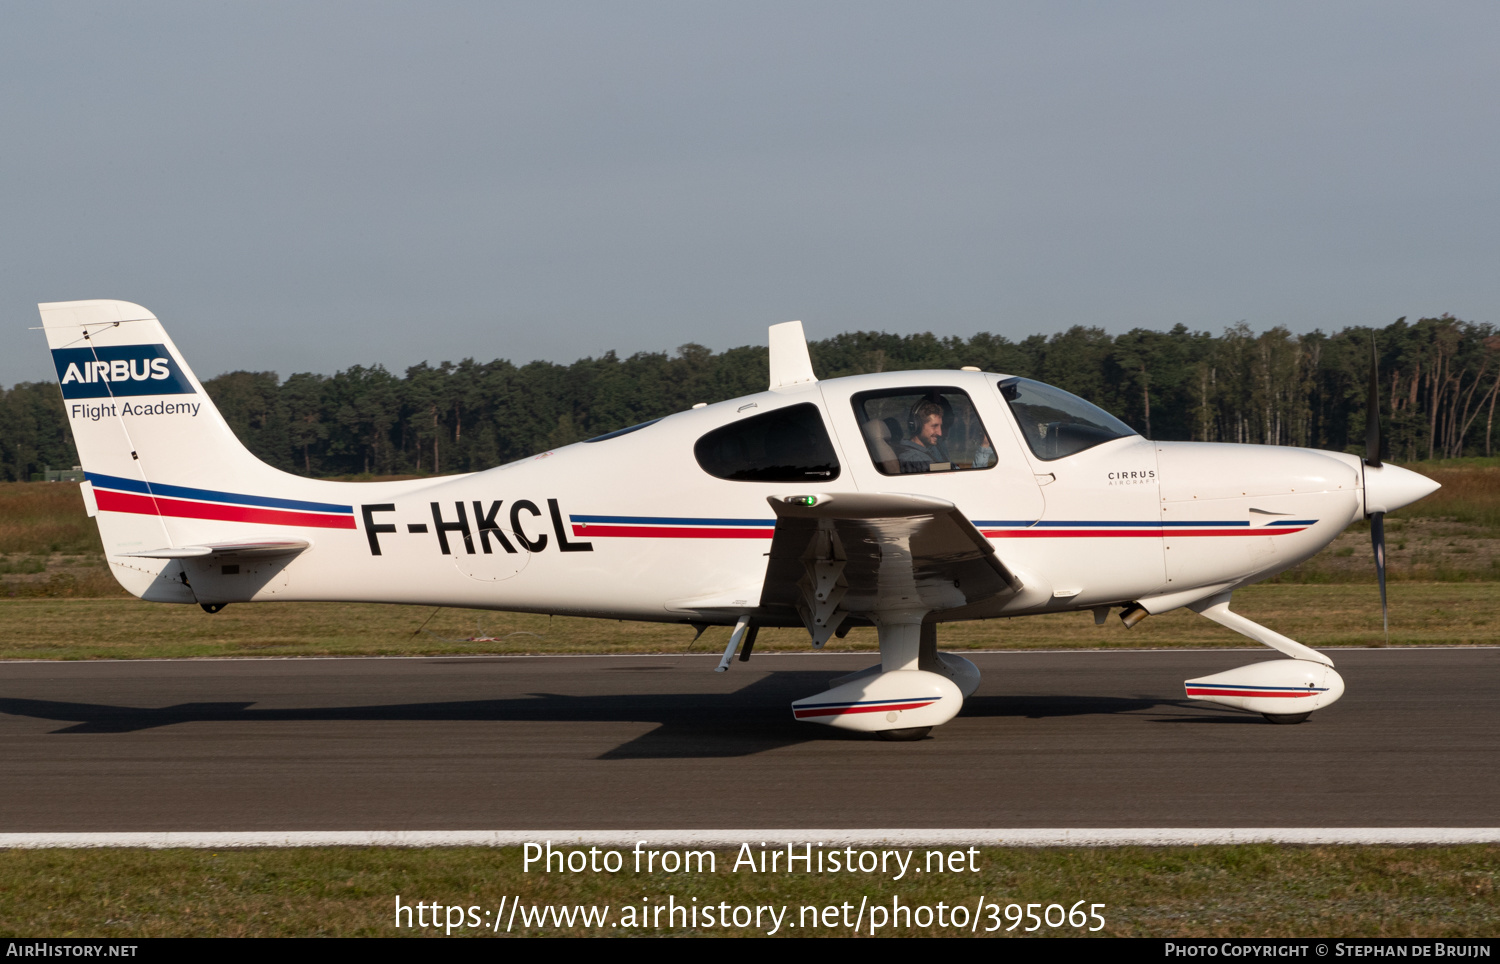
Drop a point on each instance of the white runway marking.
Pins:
(1038, 837)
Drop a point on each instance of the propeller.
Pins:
(1372, 459)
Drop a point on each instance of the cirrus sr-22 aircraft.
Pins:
(898, 500)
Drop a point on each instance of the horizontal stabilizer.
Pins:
(262, 548)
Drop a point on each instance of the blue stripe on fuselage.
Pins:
(649, 520)
(208, 495)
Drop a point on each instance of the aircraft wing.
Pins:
(861, 554)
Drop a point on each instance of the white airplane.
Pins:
(898, 500)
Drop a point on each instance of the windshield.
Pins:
(1058, 424)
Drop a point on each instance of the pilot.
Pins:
(918, 453)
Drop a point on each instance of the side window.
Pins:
(1057, 424)
(923, 430)
(787, 445)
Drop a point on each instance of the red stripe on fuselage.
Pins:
(178, 508)
(702, 532)
(671, 532)
(1127, 533)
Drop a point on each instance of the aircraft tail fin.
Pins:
(164, 469)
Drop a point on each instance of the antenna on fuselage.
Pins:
(790, 363)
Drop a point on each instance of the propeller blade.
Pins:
(1372, 410)
(1377, 540)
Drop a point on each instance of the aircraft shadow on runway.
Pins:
(753, 719)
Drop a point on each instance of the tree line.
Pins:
(1439, 380)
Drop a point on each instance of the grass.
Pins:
(48, 547)
(1470, 494)
(1244, 891)
(1336, 615)
(44, 518)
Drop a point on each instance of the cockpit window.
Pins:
(1057, 424)
(912, 430)
(787, 445)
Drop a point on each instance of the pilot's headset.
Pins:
(912, 425)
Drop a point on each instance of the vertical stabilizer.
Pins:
(163, 467)
(790, 363)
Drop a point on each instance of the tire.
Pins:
(1287, 718)
(906, 735)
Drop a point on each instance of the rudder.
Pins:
(143, 424)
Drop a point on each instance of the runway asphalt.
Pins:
(1077, 739)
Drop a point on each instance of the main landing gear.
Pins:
(913, 689)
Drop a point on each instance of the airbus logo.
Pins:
(112, 371)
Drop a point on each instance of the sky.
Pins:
(309, 186)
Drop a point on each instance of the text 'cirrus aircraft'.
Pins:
(898, 500)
